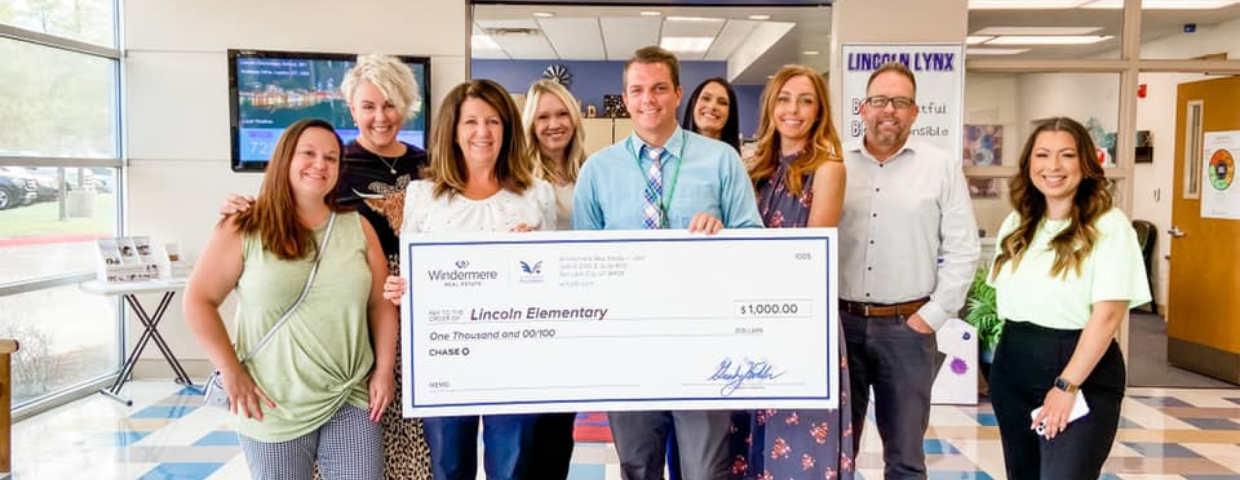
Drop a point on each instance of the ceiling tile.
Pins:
(575, 38)
(624, 35)
(730, 37)
(519, 46)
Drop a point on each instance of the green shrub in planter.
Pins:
(983, 313)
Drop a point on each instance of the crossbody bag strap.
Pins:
(318, 255)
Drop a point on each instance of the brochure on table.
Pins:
(133, 259)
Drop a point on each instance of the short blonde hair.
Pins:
(387, 73)
(576, 152)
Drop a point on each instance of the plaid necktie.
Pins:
(653, 218)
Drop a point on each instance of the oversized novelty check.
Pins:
(609, 321)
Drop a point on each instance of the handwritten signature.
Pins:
(735, 374)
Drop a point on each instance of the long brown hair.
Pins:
(513, 170)
(824, 141)
(274, 214)
(575, 151)
(1092, 199)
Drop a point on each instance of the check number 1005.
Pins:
(772, 308)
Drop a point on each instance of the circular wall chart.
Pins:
(1222, 170)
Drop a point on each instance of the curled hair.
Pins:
(654, 54)
(448, 171)
(1092, 199)
(274, 214)
(731, 133)
(575, 151)
(822, 146)
(387, 73)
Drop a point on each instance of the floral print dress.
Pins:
(797, 444)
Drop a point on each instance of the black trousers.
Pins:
(1027, 361)
(552, 449)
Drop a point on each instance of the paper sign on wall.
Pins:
(939, 70)
(1220, 194)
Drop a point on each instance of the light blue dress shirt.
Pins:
(700, 174)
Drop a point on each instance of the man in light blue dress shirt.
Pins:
(662, 176)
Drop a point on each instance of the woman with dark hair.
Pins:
(1065, 242)
(320, 379)
(712, 112)
(480, 180)
(798, 173)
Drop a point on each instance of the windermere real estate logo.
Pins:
(462, 276)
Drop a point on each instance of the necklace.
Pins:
(391, 165)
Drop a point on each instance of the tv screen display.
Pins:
(271, 90)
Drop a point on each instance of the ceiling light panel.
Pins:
(977, 39)
(687, 44)
(1049, 40)
(995, 51)
(624, 35)
(759, 17)
(995, 31)
(730, 37)
(575, 38)
(1024, 4)
(651, 13)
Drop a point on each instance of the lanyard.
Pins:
(665, 201)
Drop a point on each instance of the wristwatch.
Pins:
(1066, 386)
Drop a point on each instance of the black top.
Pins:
(367, 184)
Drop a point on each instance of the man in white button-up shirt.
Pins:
(908, 251)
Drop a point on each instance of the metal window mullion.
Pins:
(44, 283)
(62, 43)
(67, 162)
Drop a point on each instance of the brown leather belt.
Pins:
(883, 310)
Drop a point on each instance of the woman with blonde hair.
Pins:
(318, 337)
(382, 94)
(480, 181)
(552, 120)
(1067, 243)
(798, 173)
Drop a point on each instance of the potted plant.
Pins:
(983, 314)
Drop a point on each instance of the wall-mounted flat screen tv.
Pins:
(268, 91)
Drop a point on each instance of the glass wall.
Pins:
(60, 185)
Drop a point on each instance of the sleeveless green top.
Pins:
(321, 357)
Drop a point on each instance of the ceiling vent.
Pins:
(511, 31)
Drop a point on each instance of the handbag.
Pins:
(213, 394)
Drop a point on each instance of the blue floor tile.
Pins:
(1161, 450)
(164, 411)
(977, 475)
(1212, 423)
(939, 447)
(181, 471)
(217, 439)
(115, 439)
(190, 392)
(1109, 476)
(1124, 422)
(1161, 401)
(579, 471)
(987, 420)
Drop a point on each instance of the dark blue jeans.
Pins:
(454, 446)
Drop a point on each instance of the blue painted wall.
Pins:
(593, 79)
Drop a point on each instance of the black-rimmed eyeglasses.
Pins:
(881, 101)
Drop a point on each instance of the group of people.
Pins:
(318, 392)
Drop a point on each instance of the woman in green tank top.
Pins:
(317, 388)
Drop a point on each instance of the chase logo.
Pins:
(531, 273)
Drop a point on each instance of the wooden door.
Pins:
(1203, 311)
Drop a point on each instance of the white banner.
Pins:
(939, 69)
(610, 321)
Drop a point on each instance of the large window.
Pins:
(60, 185)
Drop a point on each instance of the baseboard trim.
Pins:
(158, 369)
(1204, 359)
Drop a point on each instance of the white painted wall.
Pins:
(176, 100)
(991, 99)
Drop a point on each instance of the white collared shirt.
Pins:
(907, 230)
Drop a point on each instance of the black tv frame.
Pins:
(237, 164)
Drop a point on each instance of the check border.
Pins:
(829, 311)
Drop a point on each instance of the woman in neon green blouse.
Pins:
(1066, 271)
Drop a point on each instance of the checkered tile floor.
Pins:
(1165, 435)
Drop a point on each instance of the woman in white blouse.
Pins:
(480, 180)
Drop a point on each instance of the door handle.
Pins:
(1175, 232)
